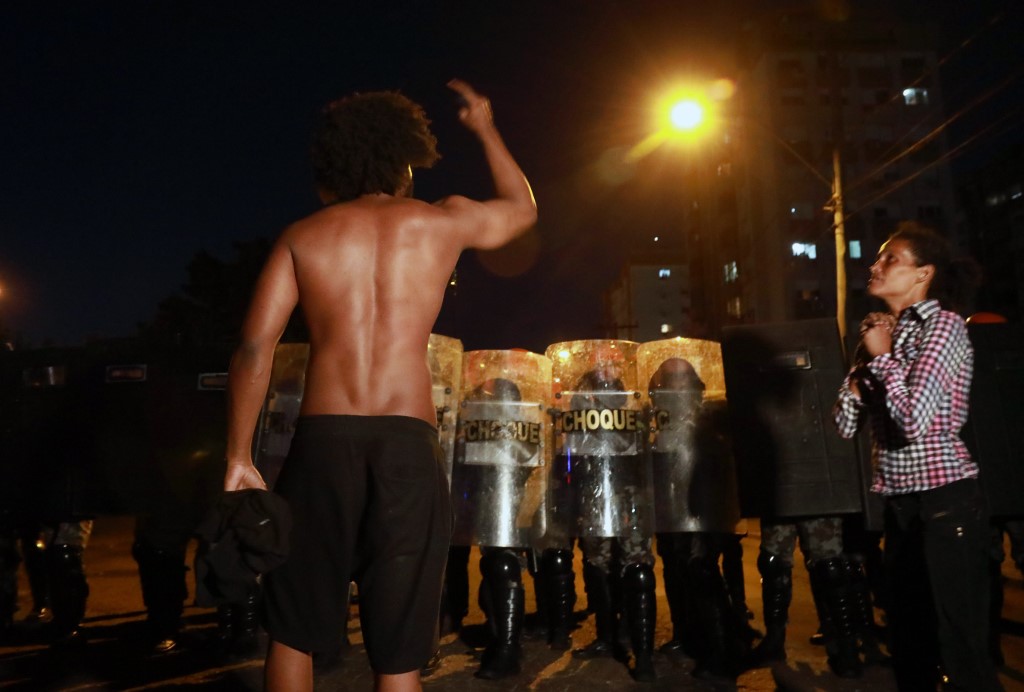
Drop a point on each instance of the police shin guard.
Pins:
(776, 595)
(641, 616)
(505, 600)
(601, 603)
(842, 614)
(559, 597)
(69, 592)
(162, 576)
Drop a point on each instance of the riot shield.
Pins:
(691, 452)
(444, 355)
(502, 453)
(281, 410)
(599, 483)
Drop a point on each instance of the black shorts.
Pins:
(369, 500)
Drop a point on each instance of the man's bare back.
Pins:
(371, 275)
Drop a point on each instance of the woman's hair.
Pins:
(365, 143)
(955, 279)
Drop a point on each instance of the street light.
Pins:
(686, 115)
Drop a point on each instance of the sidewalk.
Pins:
(114, 657)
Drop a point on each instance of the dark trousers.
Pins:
(936, 562)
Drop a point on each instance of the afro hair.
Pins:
(365, 143)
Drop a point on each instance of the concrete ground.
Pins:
(114, 656)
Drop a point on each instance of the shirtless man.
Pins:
(364, 477)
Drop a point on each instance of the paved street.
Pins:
(114, 657)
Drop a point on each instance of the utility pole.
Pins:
(837, 214)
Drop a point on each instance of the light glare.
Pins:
(686, 115)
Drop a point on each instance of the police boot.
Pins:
(720, 656)
(601, 604)
(818, 638)
(559, 587)
(34, 553)
(69, 593)
(674, 577)
(865, 614)
(641, 616)
(776, 594)
(162, 576)
(842, 614)
(505, 600)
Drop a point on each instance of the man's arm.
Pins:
(273, 301)
(493, 223)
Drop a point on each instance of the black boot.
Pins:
(841, 615)
(641, 615)
(505, 600)
(69, 592)
(162, 576)
(33, 548)
(721, 655)
(673, 577)
(559, 587)
(601, 603)
(818, 638)
(867, 629)
(776, 594)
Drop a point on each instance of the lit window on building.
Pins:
(734, 307)
(664, 273)
(808, 250)
(666, 328)
(730, 272)
(855, 249)
(915, 97)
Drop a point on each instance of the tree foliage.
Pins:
(211, 305)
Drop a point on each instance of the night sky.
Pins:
(135, 134)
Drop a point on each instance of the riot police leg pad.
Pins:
(559, 596)
(505, 603)
(720, 654)
(601, 603)
(776, 594)
(641, 616)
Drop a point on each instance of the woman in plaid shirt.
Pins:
(911, 383)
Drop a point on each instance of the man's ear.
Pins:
(925, 272)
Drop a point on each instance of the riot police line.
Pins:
(117, 429)
(633, 441)
(547, 451)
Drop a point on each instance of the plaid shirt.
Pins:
(916, 398)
